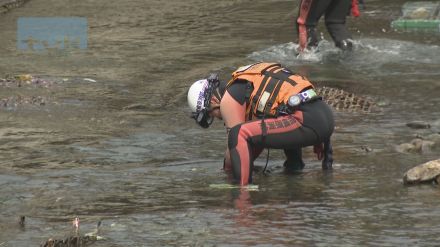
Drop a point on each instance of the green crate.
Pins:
(422, 15)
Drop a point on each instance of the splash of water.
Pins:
(288, 53)
(374, 57)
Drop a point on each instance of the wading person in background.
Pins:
(335, 13)
(264, 106)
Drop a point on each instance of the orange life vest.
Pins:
(273, 85)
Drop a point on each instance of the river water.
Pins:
(114, 142)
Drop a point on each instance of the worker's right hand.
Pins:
(227, 165)
(318, 149)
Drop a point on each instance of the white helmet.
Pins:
(199, 99)
(196, 95)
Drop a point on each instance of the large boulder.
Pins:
(426, 172)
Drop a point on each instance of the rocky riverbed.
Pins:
(113, 141)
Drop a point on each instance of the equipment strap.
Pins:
(272, 99)
(283, 76)
(254, 100)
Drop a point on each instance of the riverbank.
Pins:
(7, 5)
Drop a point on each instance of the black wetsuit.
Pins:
(335, 12)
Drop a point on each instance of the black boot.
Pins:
(294, 160)
(312, 41)
(345, 45)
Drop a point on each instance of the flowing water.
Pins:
(114, 142)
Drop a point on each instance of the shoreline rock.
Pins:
(425, 173)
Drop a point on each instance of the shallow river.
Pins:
(114, 142)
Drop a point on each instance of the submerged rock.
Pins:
(18, 90)
(25, 80)
(434, 137)
(14, 101)
(418, 125)
(70, 241)
(426, 172)
(421, 144)
(75, 240)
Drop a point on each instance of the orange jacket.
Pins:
(273, 85)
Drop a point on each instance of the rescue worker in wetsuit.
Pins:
(264, 106)
(335, 12)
